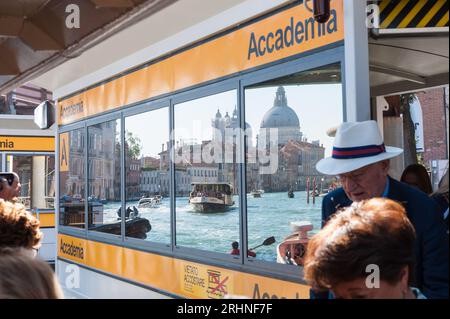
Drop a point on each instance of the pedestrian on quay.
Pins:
(360, 160)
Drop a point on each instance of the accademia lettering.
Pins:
(73, 109)
(296, 32)
(72, 250)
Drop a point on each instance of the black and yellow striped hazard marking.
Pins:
(400, 14)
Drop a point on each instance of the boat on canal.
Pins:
(211, 197)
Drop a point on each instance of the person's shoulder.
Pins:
(337, 196)
(408, 193)
(421, 209)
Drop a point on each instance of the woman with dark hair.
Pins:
(364, 251)
(417, 176)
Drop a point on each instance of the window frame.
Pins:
(313, 61)
(136, 243)
(64, 229)
(326, 55)
(92, 234)
(231, 84)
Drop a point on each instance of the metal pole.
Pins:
(357, 85)
(314, 191)
(307, 191)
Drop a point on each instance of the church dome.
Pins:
(280, 115)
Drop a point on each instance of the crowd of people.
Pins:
(381, 238)
(375, 220)
(23, 275)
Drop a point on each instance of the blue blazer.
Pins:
(431, 246)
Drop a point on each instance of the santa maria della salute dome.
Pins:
(283, 118)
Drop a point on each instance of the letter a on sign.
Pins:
(64, 152)
(73, 19)
(373, 279)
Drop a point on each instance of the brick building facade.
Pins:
(435, 124)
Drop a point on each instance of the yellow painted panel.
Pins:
(27, 143)
(435, 9)
(279, 36)
(179, 277)
(46, 219)
(64, 150)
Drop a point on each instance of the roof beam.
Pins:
(113, 3)
(37, 39)
(8, 62)
(29, 33)
(398, 73)
(10, 26)
(403, 87)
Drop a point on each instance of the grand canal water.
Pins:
(268, 216)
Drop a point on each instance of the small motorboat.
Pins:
(149, 202)
(291, 194)
(292, 249)
(135, 225)
(256, 194)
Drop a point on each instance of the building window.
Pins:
(104, 178)
(71, 179)
(286, 115)
(212, 213)
(144, 153)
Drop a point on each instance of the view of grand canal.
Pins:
(268, 216)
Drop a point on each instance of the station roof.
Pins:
(133, 32)
(34, 36)
(407, 64)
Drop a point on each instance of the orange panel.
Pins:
(179, 277)
(27, 143)
(279, 36)
(46, 219)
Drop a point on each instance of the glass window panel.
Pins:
(207, 210)
(50, 181)
(147, 176)
(104, 177)
(23, 166)
(287, 115)
(71, 182)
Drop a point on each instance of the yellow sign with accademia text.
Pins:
(176, 276)
(27, 143)
(282, 35)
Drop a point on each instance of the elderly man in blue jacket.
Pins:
(361, 162)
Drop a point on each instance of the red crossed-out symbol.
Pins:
(220, 284)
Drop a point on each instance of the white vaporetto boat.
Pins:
(211, 197)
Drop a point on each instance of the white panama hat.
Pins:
(356, 144)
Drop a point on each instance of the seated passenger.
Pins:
(236, 251)
(364, 251)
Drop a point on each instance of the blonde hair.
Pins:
(24, 277)
(18, 228)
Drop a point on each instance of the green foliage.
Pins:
(134, 145)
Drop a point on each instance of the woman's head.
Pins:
(18, 228)
(369, 238)
(23, 277)
(417, 176)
